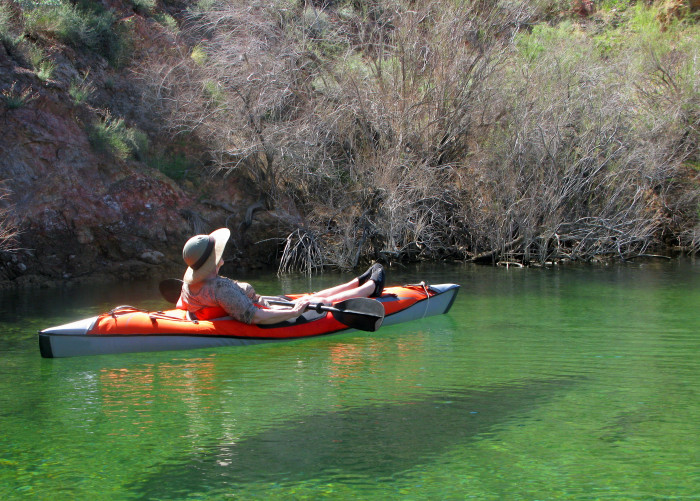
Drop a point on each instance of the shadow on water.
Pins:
(374, 441)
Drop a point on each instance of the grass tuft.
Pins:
(15, 99)
(113, 136)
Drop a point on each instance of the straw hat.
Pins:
(202, 253)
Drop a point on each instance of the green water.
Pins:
(574, 383)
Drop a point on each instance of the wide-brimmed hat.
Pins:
(202, 253)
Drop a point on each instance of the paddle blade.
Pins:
(170, 289)
(360, 313)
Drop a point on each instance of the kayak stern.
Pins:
(78, 328)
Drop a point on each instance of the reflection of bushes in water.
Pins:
(446, 130)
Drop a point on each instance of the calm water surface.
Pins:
(574, 383)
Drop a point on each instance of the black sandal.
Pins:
(377, 275)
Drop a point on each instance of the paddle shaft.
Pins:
(319, 307)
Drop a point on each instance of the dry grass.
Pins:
(8, 229)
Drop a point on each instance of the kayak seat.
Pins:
(209, 313)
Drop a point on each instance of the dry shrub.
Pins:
(361, 113)
(237, 88)
(586, 157)
(422, 130)
(390, 128)
(8, 229)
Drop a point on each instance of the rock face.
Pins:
(85, 212)
(80, 212)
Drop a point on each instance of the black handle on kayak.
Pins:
(360, 313)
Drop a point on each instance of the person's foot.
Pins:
(365, 276)
(377, 275)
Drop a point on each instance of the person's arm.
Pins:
(265, 316)
(233, 298)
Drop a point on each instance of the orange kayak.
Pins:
(127, 329)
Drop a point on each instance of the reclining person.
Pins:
(203, 288)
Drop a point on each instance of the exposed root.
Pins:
(301, 253)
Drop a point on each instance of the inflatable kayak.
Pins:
(127, 329)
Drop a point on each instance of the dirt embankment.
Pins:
(82, 212)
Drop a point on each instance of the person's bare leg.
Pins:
(340, 294)
(353, 289)
(331, 291)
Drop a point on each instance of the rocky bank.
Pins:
(84, 213)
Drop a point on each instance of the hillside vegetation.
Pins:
(488, 131)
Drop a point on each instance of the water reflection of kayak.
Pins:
(127, 329)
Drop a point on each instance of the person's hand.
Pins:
(300, 306)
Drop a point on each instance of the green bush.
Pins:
(146, 6)
(89, 27)
(213, 94)
(615, 5)
(109, 137)
(138, 143)
(167, 21)
(81, 90)
(177, 167)
(43, 67)
(203, 5)
(544, 38)
(45, 70)
(5, 23)
(36, 55)
(638, 28)
(113, 136)
(199, 55)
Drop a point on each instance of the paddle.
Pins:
(360, 313)
(170, 289)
